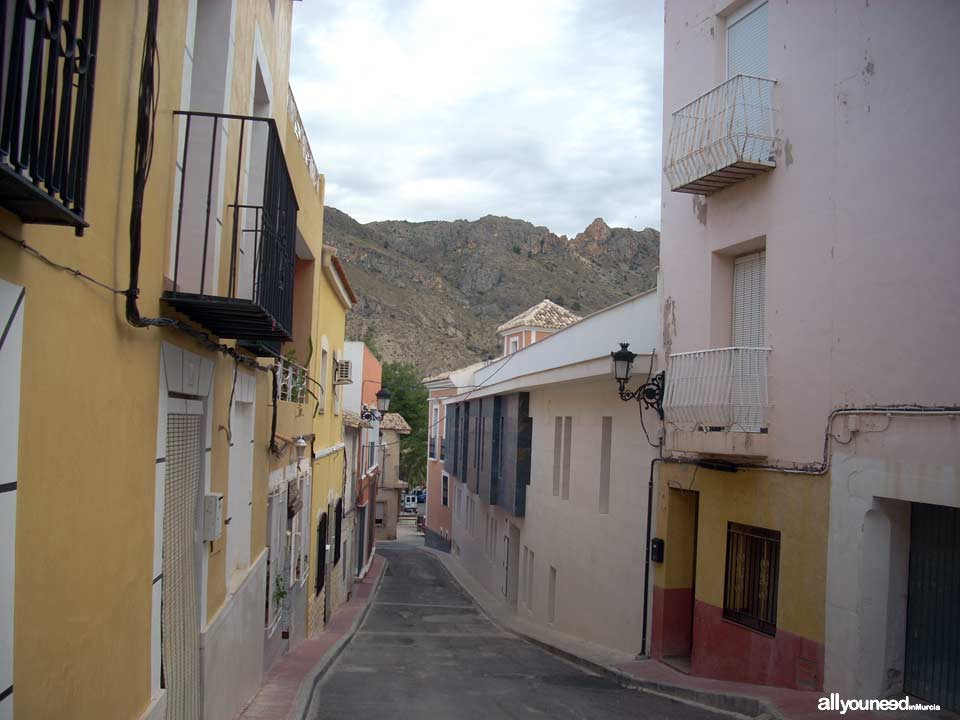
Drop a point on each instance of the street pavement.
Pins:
(425, 650)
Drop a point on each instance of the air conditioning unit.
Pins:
(343, 373)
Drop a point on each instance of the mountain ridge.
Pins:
(432, 293)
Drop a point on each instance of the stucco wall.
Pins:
(439, 518)
(861, 299)
(589, 549)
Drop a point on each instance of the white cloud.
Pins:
(545, 110)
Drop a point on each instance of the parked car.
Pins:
(410, 503)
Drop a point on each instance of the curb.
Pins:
(739, 706)
(308, 688)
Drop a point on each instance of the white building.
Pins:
(550, 478)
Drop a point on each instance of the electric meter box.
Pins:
(212, 516)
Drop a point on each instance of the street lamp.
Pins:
(300, 445)
(649, 393)
(383, 404)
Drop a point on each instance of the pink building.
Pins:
(811, 324)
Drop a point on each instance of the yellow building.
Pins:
(157, 529)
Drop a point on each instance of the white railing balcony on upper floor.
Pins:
(718, 390)
(291, 381)
(725, 136)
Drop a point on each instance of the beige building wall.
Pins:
(590, 542)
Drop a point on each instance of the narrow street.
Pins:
(426, 651)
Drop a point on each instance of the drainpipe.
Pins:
(646, 554)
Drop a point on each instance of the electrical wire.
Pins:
(58, 266)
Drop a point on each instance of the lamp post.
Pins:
(383, 404)
(649, 394)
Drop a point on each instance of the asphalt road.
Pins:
(425, 651)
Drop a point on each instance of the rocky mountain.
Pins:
(433, 293)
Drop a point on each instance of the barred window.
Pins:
(752, 577)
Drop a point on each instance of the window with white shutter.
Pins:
(747, 54)
(747, 41)
(749, 298)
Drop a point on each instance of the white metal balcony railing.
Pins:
(723, 137)
(723, 389)
(293, 112)
(291, 381)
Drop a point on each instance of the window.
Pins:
(552, 596)
(557, 450)
(435, 424)
(324, 360)
(567, 443)
(747, 44)
(321, 552)
(752, 577)
(749, 298)
(381, 512)
(444, 496)
(514, 345)
(337, 531)
(606, 441)
(747, 54)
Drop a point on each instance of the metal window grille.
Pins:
(337, 530)
(433, 448)
(180, 604)
(381, 512)
(445, 497)
(291, 381)
(321, 553)
(48, 57)
(752, 577)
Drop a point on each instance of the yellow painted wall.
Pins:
(796, 505)
(88, 426)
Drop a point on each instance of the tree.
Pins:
(409, 398)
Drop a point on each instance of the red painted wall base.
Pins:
(727, 651)
(672, 621)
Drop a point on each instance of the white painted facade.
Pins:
(592, 535)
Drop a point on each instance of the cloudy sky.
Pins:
(545, 110)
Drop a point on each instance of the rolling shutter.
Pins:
(747, 44)
(749, 298)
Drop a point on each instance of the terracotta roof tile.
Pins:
(546, 314)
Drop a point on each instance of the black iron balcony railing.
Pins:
(234, 188)
(47, 62)
(443, 448)
(433, 448)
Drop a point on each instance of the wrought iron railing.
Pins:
(722, 389)
(233, 175)
(48, 56)
(724, 136)
(291, 381)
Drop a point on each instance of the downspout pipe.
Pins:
(646, 556)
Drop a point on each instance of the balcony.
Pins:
(723, 137)
(716, 401)
(47, 81)
(291, 382)
(234, 188)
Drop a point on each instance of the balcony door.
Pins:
(747, 54)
